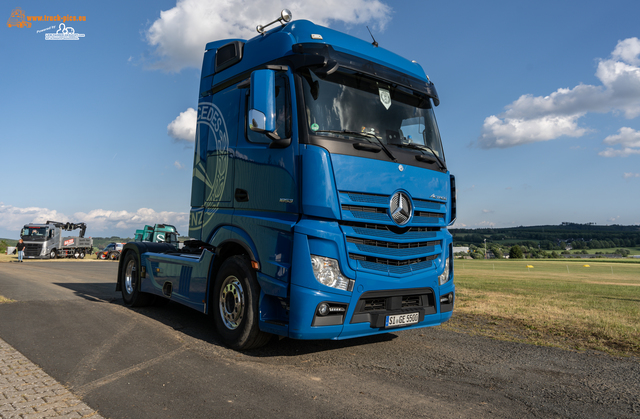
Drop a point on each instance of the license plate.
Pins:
(401, 320)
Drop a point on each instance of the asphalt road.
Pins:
(167, 362)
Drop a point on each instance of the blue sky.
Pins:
(539, 114)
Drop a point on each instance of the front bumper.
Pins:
(365, 310)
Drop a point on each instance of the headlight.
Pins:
(327, 272)
(444, 277)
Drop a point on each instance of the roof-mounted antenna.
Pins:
(374, 43)
(285, 16)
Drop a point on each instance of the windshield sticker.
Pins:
(314, 127)
(385, 97)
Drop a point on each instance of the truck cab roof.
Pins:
(279, 42)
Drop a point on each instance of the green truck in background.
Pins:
(159, 233)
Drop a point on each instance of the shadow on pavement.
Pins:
(200, 326)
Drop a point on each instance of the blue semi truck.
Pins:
(320, 198)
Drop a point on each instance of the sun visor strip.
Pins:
(311, 55)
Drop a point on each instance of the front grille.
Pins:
(374, 306)
(398, 267)
(411, 301)
(391, 262)
(376, 243)
(391, 245)
(32, 249)
(432, 205)
(369, 198)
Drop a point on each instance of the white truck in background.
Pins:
(44, 241)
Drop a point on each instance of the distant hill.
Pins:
(566, 232)
(10, 242)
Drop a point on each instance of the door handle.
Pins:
(241, 195)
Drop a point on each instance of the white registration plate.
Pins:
(401, 320)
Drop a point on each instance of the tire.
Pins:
(113, 256)
(76, 255)
(235, 305)
(53, 254)
(82, 255)
(130, 283)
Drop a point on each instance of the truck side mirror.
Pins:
(262, 101)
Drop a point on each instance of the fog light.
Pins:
(446, 299)
(323, 309)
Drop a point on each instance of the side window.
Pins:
(283, 113)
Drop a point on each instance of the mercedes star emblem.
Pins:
(400, 208)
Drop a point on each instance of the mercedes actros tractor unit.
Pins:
(320, 198)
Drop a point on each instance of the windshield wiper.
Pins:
(424, 147)
(365, 135)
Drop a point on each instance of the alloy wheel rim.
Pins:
(232, 303)
(129, 276)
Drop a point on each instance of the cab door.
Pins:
(266, 193)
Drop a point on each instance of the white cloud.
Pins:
(509, 132)
(627, 138)
(485, 224)
(181, 33)
(98, 221)
(14, 218)
(627, 51)
(107, 220)
(183, 128)
(532, 119)
(178, 165)
(631, 175)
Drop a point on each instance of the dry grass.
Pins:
(5, 300)
(562, 304)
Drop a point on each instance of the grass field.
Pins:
(557, 303)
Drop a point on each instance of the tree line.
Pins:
(578, 236)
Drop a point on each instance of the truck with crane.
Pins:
(320, 199)
(44, 241)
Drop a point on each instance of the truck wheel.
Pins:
(52, 254)
(81, 256)
(113, 256)
(235, 305)
(76, 255)
(130, 283)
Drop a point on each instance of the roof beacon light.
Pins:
(285, 16)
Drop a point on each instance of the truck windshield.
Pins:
(34, 233)
(346, 103)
